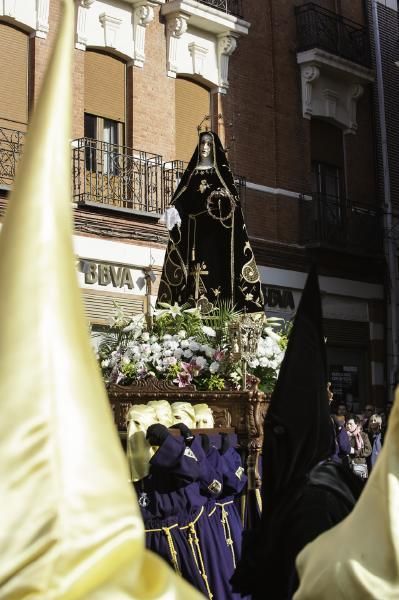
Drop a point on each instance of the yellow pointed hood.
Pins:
(70, 524)
(359, 557)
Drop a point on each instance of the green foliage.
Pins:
(219, 319)
(215, 382)
(172, 319)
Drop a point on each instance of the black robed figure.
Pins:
(209, 257)
(303, 492)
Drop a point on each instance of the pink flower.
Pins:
(218, 355)
(185, 376)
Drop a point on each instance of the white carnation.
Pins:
(214, 367)
(208, 331)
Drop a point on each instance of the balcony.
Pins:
(117, 177)
(341, 225)
(334, 57)
(230, 7)
(11, 145)
(109, 176)
(201, 37)
(318, 27)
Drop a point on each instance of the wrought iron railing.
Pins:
(110, 176)
(231, 7)
(318, 27)
(338, 223)
(172, 173)
(11, 145)
(116, 176)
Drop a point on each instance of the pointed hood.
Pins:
(364, 562)
(70, 525)
(297, 430)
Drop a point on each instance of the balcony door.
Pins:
(327, 191)
(104, 147)
(328, 176)
(105, 157)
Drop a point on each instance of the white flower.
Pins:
(182, 334)
(187, 353)
(208, 350)
(169, 361)
(214, 367)
(178, 352)
(208, 331)
(168, 309)
(253, 362)
(193, 345)
(200, 361)
(145, 336)
(264, 361)
(105, 363)
(272, 334)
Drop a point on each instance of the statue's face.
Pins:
(205, 146)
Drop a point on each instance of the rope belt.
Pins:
(258, 497)
(171, 545)
(226, 528)
(196, 550)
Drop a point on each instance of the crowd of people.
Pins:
(358, 436)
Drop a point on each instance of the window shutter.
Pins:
(100, 307)
(13, 78)
(104, 86)
(192, 105)
(346, 333)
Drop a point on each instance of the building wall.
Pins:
(388, 24)
(269, 143)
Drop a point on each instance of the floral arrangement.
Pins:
(185, 347)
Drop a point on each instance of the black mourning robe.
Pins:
(211, 240)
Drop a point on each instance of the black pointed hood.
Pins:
(297, 430)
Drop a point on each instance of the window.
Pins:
(104, 138)
(192, 106)
(327, 189)
(328, 177)
(104, 119)
(14, 78)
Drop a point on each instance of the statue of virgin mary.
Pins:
(208, 256)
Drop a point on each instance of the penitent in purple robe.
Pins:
(234, 481)
(218, 555)
(164, 499)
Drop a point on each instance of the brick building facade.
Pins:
(288, 85)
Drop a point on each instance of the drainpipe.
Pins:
(390, 249)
